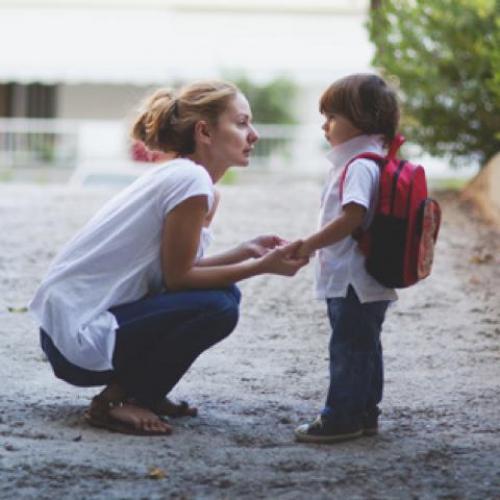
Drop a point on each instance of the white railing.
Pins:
(38, 142)
(79, 146)
(76, 150)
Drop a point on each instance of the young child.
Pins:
(361, 115)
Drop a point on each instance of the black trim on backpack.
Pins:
(395, 184)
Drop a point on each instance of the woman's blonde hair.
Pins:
(167, 119)
(367, 101)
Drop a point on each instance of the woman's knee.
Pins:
(235, 291)
(230, 311)
(222, 313)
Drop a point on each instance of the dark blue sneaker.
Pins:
(322, 431)
(370, 422)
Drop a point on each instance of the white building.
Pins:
(94, 59)
(100, 56)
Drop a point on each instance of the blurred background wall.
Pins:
(73, 71)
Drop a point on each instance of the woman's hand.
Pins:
(252, 249)
(281, 260)
(260, 246)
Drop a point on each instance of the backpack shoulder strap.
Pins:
(380, 160)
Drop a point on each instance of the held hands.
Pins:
(304, 251)
(283, 259)
(260, 246)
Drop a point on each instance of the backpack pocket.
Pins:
(385, 261)
(430, 220)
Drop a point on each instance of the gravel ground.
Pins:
(440, 431)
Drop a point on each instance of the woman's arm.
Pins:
(180, 240)
(232, 256)
(252, 249)
(211, 213)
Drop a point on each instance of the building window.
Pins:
(35, 100)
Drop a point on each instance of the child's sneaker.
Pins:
(321, 431)
(370, 422)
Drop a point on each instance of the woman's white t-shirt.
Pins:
(342, 264)
(114, 259)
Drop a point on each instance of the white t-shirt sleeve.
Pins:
(360, 182)
(189, 180)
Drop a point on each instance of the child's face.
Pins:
(339, 129)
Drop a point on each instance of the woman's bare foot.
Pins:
(166, 407)
(139, 418)
(110, 410)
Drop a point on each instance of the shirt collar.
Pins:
(341, 154)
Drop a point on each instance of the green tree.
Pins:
(446, 55)
(272, 102)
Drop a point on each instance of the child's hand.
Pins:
(303, 251)
(282, 260)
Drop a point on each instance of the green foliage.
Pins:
(272, 102)
(6, 174)
(446, 55)
(448, 183)
(229, 178)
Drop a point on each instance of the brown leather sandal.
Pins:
(98, 416)
(167, 408)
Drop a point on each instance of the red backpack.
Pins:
(399, 243)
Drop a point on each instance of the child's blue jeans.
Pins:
(356, 367)
(157, 340)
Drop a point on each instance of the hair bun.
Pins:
(167, 119)
(154, 111)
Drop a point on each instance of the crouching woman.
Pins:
(131, 301)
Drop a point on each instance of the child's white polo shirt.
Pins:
(342, 264)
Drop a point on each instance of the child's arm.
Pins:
(351, 218)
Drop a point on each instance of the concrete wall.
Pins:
(98, 101)
(114, 102)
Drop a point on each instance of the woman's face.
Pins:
(234, 136)
(339, 129)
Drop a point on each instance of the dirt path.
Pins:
(440, 427)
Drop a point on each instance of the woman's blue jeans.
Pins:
(157, 340)
(356, 366)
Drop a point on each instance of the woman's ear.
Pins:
(202, 132)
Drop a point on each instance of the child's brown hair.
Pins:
(366, 101)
